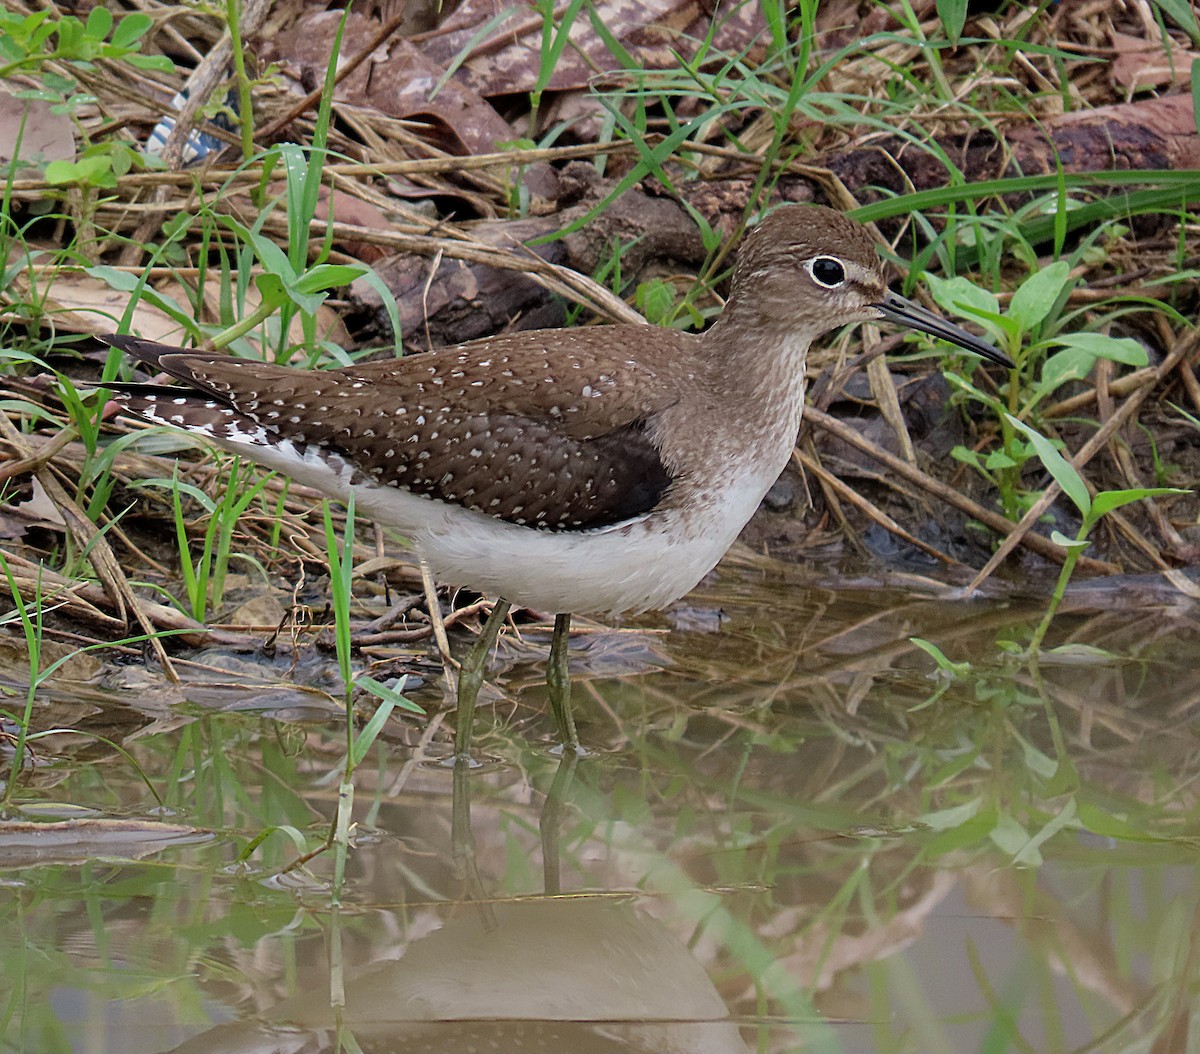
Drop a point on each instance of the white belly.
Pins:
(637, 565)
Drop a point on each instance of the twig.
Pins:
(1035, 542)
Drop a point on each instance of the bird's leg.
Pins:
(558, 681)
(470, 677)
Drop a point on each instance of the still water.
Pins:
(792, 834)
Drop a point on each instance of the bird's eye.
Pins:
(826, 270)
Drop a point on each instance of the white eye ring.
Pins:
(826, 271)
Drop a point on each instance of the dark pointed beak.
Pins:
(905, 313)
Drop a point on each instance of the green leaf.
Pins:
(1030, 853)
(70, 38)
(1063, 472)
(99, 22)
(1106, 825)
(389, 695)
(271, 289)
(1196, 91)
(655, 299)
(1009, 835)
(1073, 364)
(953, 14)
(1184, 15)
(60, 172)
(953, 294)
(327, 276)
(1102, 346)
(131, 29)
(1107, 500)
(955, 816)
(967, 456)
(1058, 538)
(92, 171)
(955, 669)
(967, 834)
(158, 63)
(982, 397)
(1036, 297)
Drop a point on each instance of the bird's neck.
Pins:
(754, 359)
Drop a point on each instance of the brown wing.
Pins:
(498, 426)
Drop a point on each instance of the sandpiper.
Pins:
(604, 469)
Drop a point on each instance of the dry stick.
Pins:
(1121, 386)
(219, 178)
(1192, 385)
(1020, 534)
(857, 500)
(83, 601)
(1041, 546)
(884, 390)
(45, 453)
(831, 498)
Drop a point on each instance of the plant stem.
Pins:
(245, 100)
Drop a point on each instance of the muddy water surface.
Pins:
(793, 833)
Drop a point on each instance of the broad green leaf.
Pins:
(1038, 761)
(1106, 825)
(956, 815)
(967, 456)
(157, 63)
(1033, 301)
(92, 171)
(1107, 500)
(99, 22)
(131, 29)
(655, 299)
(998, 459)
(60, 172)
(1063, 472)
(1073, 364)
(271, 289)
(954, 294)
(1102, 346)
(966, 835)
(1009, 835)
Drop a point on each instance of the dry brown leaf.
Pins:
(1141, 65)
(397, 81)
(43, 135)
(83, 304)
(653, 32)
